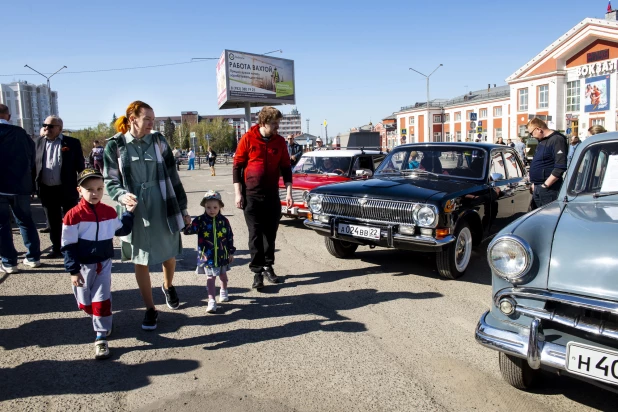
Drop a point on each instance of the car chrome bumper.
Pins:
(528, 345)
(391, 239)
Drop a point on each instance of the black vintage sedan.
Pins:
(431, 197)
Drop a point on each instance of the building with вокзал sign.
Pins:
(255, 79)
(572, 83)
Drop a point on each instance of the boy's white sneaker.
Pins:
(212, 306)
(31, 263)
(223, 296)
(101, 350)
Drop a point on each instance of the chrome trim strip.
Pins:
(601, 305)
(534, 340)
(515, 344)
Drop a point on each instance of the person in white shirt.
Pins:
(191, 157)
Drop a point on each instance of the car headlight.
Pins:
(315, 203)
(425, 216)
(510, 257)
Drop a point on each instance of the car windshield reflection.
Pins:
(461, 162)
(330, 166)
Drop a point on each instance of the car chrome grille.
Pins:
(373, 210)
(297, 194)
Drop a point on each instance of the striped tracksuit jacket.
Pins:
(87, 245)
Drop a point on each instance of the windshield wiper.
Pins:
(603, 194)
(419, 171)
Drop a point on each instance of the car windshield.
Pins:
(323, 165)
(460, 161)
(596, 170)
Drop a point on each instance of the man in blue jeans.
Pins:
(17, 154)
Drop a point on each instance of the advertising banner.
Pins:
(253, 78)
(597, 94)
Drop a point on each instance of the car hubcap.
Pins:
(463, 249)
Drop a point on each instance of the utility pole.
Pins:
(51, 111)
(429, 137)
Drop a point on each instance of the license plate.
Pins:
(359, 231)
(596, 363)
(284, 209)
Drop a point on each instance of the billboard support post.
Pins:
(247, 116)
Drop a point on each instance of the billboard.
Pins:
(254, 78)
(596, 94)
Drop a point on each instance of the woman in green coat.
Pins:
(140, 169)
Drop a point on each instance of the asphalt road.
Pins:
(380, 332)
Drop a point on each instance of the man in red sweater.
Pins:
(261, 157)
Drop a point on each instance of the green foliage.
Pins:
(87, 136)
(222, 135)
(114, 118)
(169, 130)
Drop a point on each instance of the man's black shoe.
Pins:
(258, 281)
(53, 255)
(150, 319)
(270, 275)
(46, 230)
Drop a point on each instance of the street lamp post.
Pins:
(48, 85)
(428, 114)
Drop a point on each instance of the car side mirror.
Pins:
(364, 173)
(496, 176)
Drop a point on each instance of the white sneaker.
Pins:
(101, 350)
(8, 269)
(223, 296)
(31, 263)
(212, 306)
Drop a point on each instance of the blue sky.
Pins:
(351, 58)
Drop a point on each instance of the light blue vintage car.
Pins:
(555, 278)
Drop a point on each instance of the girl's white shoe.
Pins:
(223, 296)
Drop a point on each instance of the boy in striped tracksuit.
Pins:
(87, 235)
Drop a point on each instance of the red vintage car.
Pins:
(324, 167)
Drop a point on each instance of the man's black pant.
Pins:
(56, 204)
(544, 196)
(262, 214)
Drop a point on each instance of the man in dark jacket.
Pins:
(261, 157)
(549, 162)
(294, 150)
(16, 187)
(58, 161)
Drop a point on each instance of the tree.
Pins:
(169, 128)
(111, 125)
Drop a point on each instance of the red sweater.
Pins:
(262, 162)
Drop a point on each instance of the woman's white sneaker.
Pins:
(223, 296)
(212, 306)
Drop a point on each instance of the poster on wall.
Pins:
(596, 94)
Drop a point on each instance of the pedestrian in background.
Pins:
(500, 141)
(510, 143)
(574, 143)
(295, 151)
(212, 160)
(176, 154)
(88, 255)
(549, 162)
(191, 157)
(96, 156)
(596, 129)
(59, 159)
(319, 144)
(139, 170)
(17, 155)
(261, 157)
(215, 246)
(520, 148)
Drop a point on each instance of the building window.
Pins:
(544, 96)
(572, 95)
(458, 136)
(523, 130)
(498, 111)
(597, 122)
(498, 133)
(437, 118)
(447, 117)
(523, 100)
(483, 113)
(458, 116)
(447, 136)
(411, 121)
(471, 135)
(437, 136)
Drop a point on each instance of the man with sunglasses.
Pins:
(16, 165)
(59, 159)
(549, 162)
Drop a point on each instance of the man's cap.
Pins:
(318, 140)
(88, 174)
(210, 195)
